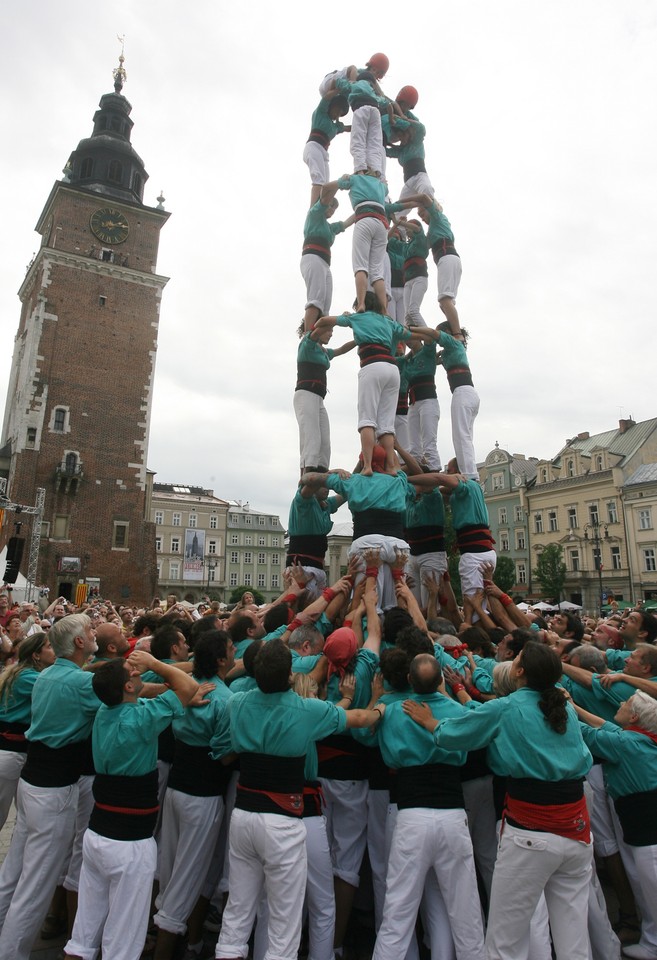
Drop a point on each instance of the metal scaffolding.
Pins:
(35, 540)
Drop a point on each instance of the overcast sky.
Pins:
(541, 144)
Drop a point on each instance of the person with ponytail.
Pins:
(16, 684)
(533, 738)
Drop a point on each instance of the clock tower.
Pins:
(79, 399)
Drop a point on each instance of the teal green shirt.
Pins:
(310, 517)
(414, 149)
(243, 644)
(312, 352)
(468, 505)
(589, 699)
(243, 684)
(616, 694)
(364, 189)
(318, 227)
(404, 743)
(63, 705)
(304, 664)
(354, 89)
(439, 226)
(17, 707)
(371, 327)
(124, 738)
(631, 758)
(422, 365)
(367, 663)
(454, 353)
(381, 491)
(520, 742)
(417, 246)
(281, 724)
(428, 509)
(616, 659)
(197, 725)
(321, 120)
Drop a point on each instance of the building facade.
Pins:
(78, 405)
(255, 551)
(190, 541)
(639, 498)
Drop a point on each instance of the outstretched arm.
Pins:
(345, 348)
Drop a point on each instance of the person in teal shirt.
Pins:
(425, 533)
(324, 126)
(424, 409)
(441, 241)
(366, 143)
(415, 273)
(119, 853)
(319, 234)
(396, 251)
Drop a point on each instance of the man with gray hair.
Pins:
(306, 644)
(63, 710)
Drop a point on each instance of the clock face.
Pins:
(110, 226)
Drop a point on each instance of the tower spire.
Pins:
(119, 74)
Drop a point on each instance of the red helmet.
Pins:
(409, 95)
(379, 62)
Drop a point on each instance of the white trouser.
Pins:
(413, 952)
(535, 945)
(346, 826)
(11, 764)
(378, 392)
(465, 407)
(378, 802)
(396, 305)
(190, 828)
(329, 81)
(423, 417)
(449, 276)
(530, 863)
(641, 868)
(320, 898)
(387, 277)
(427, 840)
(602, 825)
(71, 878)
(470, 567)
(423, 565)
(414, 291)
(366, 143)
(42, 838)
(605, 945)
(385, 585)
(368, 250)
(265, 849)
(419, 183)
(480, 808)
(315, 583)
(317, 158)
(115, 894)
(319, 282)
(435, 920)
(314, 430)
(401, 430)
(216, 881)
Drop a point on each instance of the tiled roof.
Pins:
(622, 445)
(646, 473)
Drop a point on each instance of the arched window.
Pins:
(598, 462)
(86, 168)
(571, 468)
(59, 420)
(115, 171)
(136, 184)
(71, 463)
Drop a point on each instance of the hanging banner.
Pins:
(194, 553)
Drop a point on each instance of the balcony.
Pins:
(69, 474)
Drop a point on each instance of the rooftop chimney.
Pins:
(624, 425)
(584, 435)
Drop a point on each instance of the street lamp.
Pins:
(596, 527)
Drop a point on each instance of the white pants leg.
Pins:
(480, 808)
(419, 183)
(319, 282)
(528, 863)
(115, 893)
(432, 563)
(317, 159)
(449, 276)
(470, 566)
(268, 849)
(605, 945)
(465, 407)
(190, 828)
(71, 879)
(314, 429)
(602, 825)
(216, 881)
(385, 585)
(429, 415)
(378, 802)
(413, 952)
(11, 764)
(346, 826)
(423, 840)
(435, 920)
(320, 898)
(45, 825)
(401, 431)
(396, 305)
(414, 291)
(368, 250)
(378, 391)
(645, 866)
(366, 143)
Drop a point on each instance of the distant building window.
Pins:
(498, 481)
(261, 541)
(192, 519)
(598, 462)
(248, 540)
(501, 515)
(159, 516)
(570, 468)
(176, 520)
(597, 558)
(102, 301)
(544, 475)
(262, 558)
(574, 560)
(262, 580)
(174, 569)
(31, 436)
(248, 556)
(233, 580)
(212, 546)
(504, 541)
(175, 544)
(518, 514)
(60, 527)
(572, 517)
(115, 170)
(234, 538)
(59, 420)
(86, 168)
(233, 519)
(107, 256)
(211, 574)
(520, 540)
(612, 513)
(538, 523)
(136, 183)
(275, 559)
(274, 541)
(120, 535)
(248, 580)
(275, 581)
(615, 558)
(645, 519)
(262, 521)
(248, 521)
(552, 521)
(158, 544)
(234, 556)
(521, 572)
(593, 513)
(649, 564)
(213, 521)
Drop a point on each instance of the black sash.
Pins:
(195, 772)
(125, 808)
(433, 785)
(387, 523)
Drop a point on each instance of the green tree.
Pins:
(238, 592)
(551, 571)
(505, 574)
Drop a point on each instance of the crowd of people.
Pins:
(179, 770)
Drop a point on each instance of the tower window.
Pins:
(120, 535)
(31, 436)
(102, 301)
(136, 184)
(115, 124)
(59, 420)
(86, 168)
(107, 256)
(115, 171)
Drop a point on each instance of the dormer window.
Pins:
(86, 168)
(115, 171)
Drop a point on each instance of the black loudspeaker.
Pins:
(15, 547)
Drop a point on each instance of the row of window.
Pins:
(616, 560)
(192, 520)
(649, 562)
(114, 172)
(214, 546)
(247, 557)
(174, 573)
(249, 519)
(520, 540)
(250, 542)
